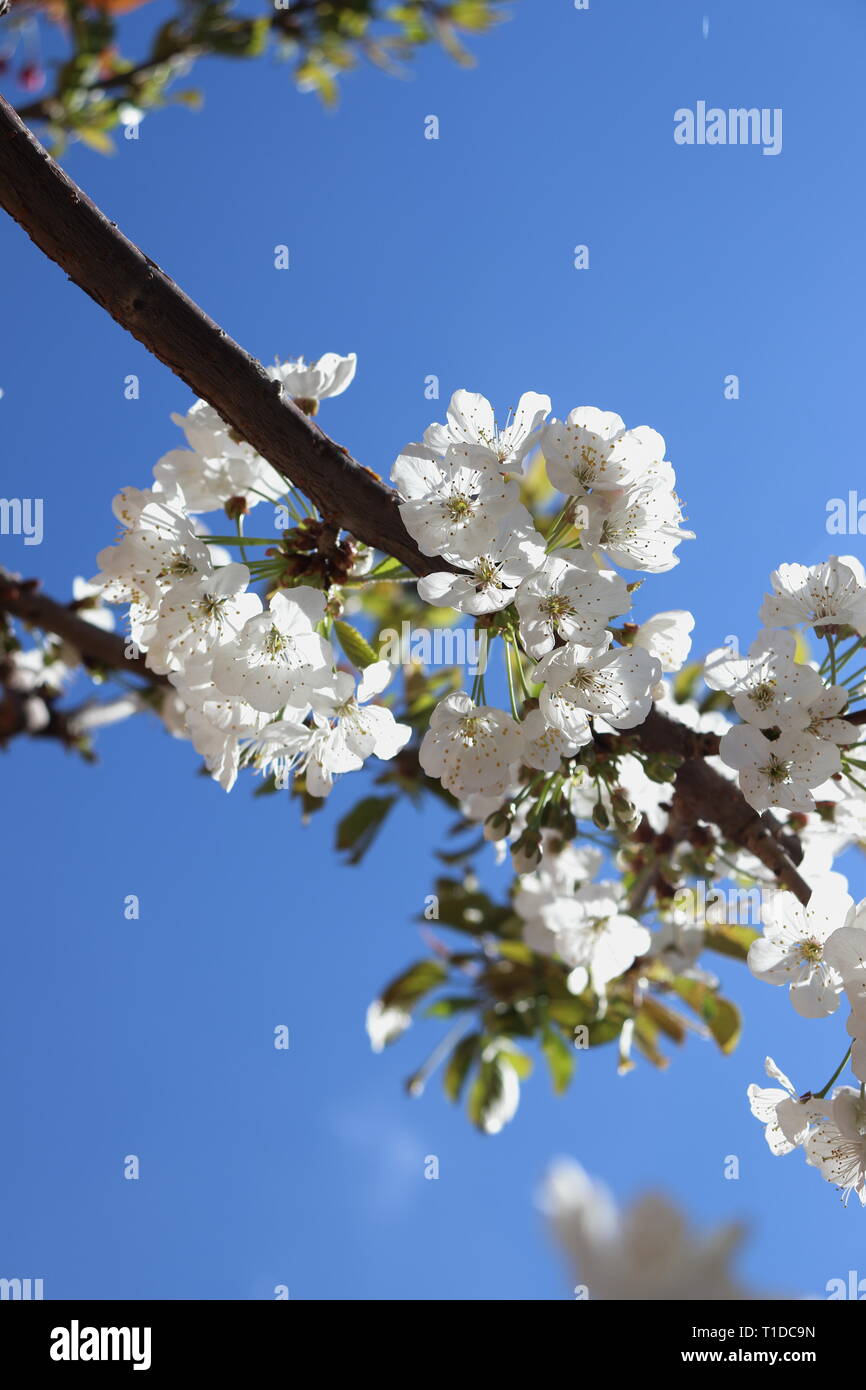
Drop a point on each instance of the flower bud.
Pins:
(32, 77)
(526, 852)
(662, 767)
(498, 825)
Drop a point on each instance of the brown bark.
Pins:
(98, 647)
(132, 288)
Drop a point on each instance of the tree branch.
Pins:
(72, 231)
(132, 288)
(708, 796)
(22, 599)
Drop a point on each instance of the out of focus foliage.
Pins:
(97, 86)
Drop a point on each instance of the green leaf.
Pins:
(560, 1059)
(466, 908)
(646, 1033)
(356, 647)
(720, 1015)
(685, 681)
(730, 940)
(449, 1005)
(607, 1029)
(473, 15)
(665, 1019)
(313, 76)
(191, 97)
(414, 983)
(360, 826)
(384, 568)
(96, 139)
(517, 951)
(518, 1060)
(242, 38)
(726, 1025)
(486, 1090)
(716, 700)
(570, 1012)
(459, 1062)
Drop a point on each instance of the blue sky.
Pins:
(452, 257)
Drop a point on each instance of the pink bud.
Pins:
(32, 77)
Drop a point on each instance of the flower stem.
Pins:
(821, 1094)
(846, 656)
(535, 816)
(239, 522)
(510, 675)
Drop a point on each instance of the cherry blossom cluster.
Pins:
(556, 595)
(461, 502)
(818, 952)
(254, 680)
(552, 598)
(792, 741)
(796, 753)
(254, 683)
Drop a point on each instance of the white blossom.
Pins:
(593, 449)
(470, 420)
(503, 1096)
(199, 614)
(208, 483)
(385, 1024)
(315, 381)
(826, 595)
(453, 503)
(216, 731)
(637, 528)
(469, 747)
(277, 658)
(209, 436)
(787, 1120)
(593, 935)
(557, 877)
(792, 949)
(837, 1145)
(768, 687)
(87, 600)
(544, 745)
(616, 682)
(493, 576)
(778, 772)
(571, 598)
(158, 548)
(44, 665)
(667, 637)
(845, 951)
(366, 730)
